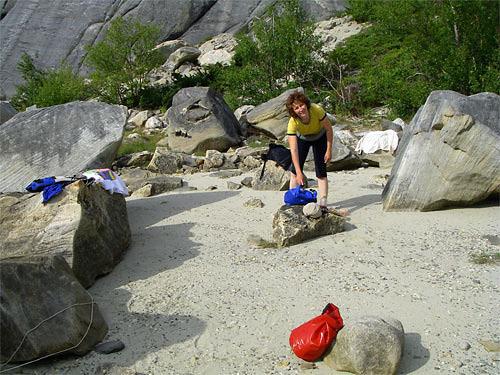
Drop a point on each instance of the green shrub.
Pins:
(278, 54)
(416, 46)
(146, 143)
(122, 60)
(47, 88)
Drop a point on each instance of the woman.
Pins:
(309, 126)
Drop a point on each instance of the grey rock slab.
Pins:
(62, 140)
(449, 154)
(230, 16)
(43, 29)
(33, 290)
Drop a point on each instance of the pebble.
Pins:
(110, 347)
(465, 345)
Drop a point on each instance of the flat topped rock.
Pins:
(291, 226)
(86, 225)
(62, 140)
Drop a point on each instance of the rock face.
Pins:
(62, 140)
(43, 29)
(272, 116)
(291, 226)
(34, 289)
(200, 120)
(229, 16)
(368, 345)
(449, 154)
(86, 225)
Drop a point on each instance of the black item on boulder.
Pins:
(278, 153)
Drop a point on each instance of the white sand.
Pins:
(192, 297)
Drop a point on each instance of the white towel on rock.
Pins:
(371, 142)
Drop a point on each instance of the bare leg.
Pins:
(323, 192)
(323, 189)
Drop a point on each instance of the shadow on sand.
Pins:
(156, 247)
(353, 204)
(414, 355)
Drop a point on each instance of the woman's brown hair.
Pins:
(296, 96)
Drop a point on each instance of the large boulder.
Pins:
(449, 155)
(181, 56)
(291, 226)
(85, 224)
(43, 30)
(369, 346)
(200, 120)
(272, 117)
(62, 140)
(42, 299)
(7, 111)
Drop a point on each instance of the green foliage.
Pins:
(152, 97)
(280, 52)
(47, 88)
(485, 258)
(122, 60)
(145, 143)
(416, 46)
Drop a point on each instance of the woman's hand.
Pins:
(328, 155)
(300, 178)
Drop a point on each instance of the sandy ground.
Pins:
(191, 296)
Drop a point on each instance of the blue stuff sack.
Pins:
(299, 195)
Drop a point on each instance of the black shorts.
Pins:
(319, 149)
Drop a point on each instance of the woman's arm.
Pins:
(292, 141)
(329, 138)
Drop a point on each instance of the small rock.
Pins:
(211, 187)
(226, 174)
(254, 203)
(143, 192)
(312, 210)
(233, 185)
(110, 347)
(308, 366)
(247, 181)
(113, 369)
(465, 345)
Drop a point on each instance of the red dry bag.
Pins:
(311, 340)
